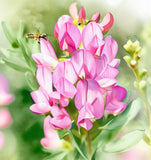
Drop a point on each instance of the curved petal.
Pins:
(95, 17)
(44, 78)
(73, 10)
(107, 22)
(47, 49)
(40, 108)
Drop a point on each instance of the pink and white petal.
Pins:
(45, 60)
(81, 95)
(47, 49)
(1, 140)
(69, 73)
(89, 31)
(109, 72)
(116, 107)
(44, 78)
(5, 118)
(95, 17)
(51, 139)
(74, 33)
(40, 108)
(89, 65)
(38, 96)
(85, 116)
(115, 63)
(77, 60)
(106, 83)
(73, 10)
(110, 48)
(107, 22)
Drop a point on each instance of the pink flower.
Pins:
(51, 139)
(61, 119)
(47, 57)
(61, 21)
(92, 37)
(89, 102)
(5, 97)
(1, 140)
(5, 118)
(69, 37)
(114, 98)
(107, 22)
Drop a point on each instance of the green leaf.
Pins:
(14, 66)
(130, 113)
(124, 143)
(21, 30)
(31, 80)
(25, 54)
(56, 156)
(77, 143)
(62, 133)
(9, 36)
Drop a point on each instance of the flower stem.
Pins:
(143, 96)
(89, 144)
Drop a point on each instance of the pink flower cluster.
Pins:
(5, 99)
(87, 75)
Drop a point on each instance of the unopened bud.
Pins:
(143, 73)
(142, 84)
(133, 63)
(132, 47)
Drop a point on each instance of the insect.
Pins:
(37, 36)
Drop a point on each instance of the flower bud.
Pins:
(133, 63)
(128, 59)
(143, 73)
(142, 85)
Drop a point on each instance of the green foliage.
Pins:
(124, 143)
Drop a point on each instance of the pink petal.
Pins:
(81, 95)
(77, 60)
(95, 17)
(51, 139)
(106, 83)
(40, 108)
(1, 140)
(92, 33)
(44, 78)
(82, 15)
(119, 93)
(107, 22)
(85, 116)
(61, 21)
(47, 49)
(3, 84)
(45, 60)
(39, 96)
(5, 118)
(61, 119)
(115, 63)
(69, 37)
(110, 48)
(73, 10)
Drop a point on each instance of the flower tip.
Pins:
(95, 17)
(73, 10)
(82, 15)
(107, 22)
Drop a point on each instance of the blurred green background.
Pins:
(132, 20)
